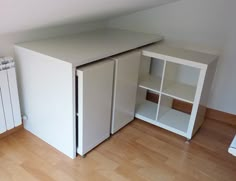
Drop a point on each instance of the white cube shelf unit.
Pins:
(174, 73)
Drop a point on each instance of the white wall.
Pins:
(23, 15)
(8, 40)
(205, 25)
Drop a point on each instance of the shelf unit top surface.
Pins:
(187, 57)
(90, 46)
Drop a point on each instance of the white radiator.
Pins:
(10, 115)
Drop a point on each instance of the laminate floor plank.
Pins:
(140, 152)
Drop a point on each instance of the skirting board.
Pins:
(221, 116)
(12, 131)
(187, 108)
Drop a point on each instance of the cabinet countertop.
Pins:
(90, 46)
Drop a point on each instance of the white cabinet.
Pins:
(95, 86)
(47, 73)
(179, 74)
(125, 88)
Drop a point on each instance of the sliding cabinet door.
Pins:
(125, 88)
(95, 85)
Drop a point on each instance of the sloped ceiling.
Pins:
(20, 15)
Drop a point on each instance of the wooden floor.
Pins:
(140, 151)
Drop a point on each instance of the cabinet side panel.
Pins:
(144, 69)
(46, 91)
(200, 117)
(125, 88)
(80, 112)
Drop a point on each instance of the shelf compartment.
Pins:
(146, 111)
(151, 72)
(150, 82)
(180, 81)
(171, 119)
(180, 91)
(175, 121)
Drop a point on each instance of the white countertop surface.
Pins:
(90, 46)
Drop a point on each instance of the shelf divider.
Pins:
(150, 82)
(180, 91)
